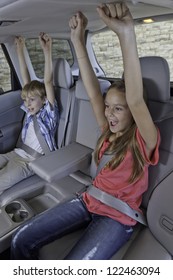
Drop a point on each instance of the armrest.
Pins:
(160, 213)
(62, 162)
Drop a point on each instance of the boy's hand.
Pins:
(20, 43)
(78, 24)
(116, 16)
(45, 41)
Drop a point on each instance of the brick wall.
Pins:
(60, 49)
(155, 39)
(152, 39)
(5, 83)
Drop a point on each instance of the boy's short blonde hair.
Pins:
(34, 88)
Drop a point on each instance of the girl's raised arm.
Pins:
(46, 44)
(78, 25)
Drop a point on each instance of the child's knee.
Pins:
(3, 161)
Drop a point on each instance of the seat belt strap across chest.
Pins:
(40, 137)
(41, 140)
(61, 138)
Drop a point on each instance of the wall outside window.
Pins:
(152, 39)
(5, 74)
(60, 49)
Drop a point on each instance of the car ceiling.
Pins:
(28, 18)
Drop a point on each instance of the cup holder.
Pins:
(12, 207)
(16, 212)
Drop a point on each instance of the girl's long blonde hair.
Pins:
(121, 144)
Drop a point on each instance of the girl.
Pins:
(128, 133)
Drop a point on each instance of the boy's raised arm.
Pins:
(20, 46)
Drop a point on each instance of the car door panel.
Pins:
(10, 120)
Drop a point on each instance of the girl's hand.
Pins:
(20, 43)
(116, 16)
(78, 24)
(45, 41)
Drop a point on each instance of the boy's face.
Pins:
(33, 103)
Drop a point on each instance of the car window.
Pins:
(60, 49)
(152, 39)
(5, 73)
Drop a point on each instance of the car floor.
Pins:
(5, 255)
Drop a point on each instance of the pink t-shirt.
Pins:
(115, 182)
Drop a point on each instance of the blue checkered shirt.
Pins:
(48, 119)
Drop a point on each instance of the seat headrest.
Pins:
(81, 91)
(156, 77)
(62, 75)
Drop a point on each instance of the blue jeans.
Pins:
(102, 238)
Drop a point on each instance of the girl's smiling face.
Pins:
(117, 112)
(33, 103)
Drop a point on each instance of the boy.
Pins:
(41, 112)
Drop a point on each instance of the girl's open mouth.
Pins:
(113, 123)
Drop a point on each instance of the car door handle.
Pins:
(1, 134)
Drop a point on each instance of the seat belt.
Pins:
(104, 160)
(116, 204)
(41, 140)
(40, 137)
(110, 200)
(28, 149)
(61, 137)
